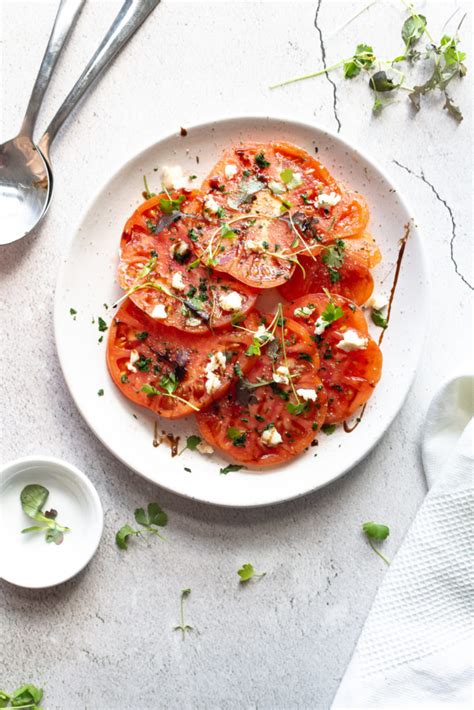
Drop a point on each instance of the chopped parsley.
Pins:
(261, 161)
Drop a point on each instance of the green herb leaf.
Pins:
(247, 571)
(168, 382)
(143, 335)
(328, 429)
(26, 696)
(376, 531)
(102, 324)
(100, 393)
(377, 106)
(230, 469)
(150, 390)
(72, 312)
(363, 58)
(33, 497)
(157, 515)
(226, 232)
(378, 318)
(121, 537)
(381, 82)
(331, 313)
(297, 409)
(238, 438)
(261, 160)
(167, 206)
(413, 28)
(291, 179)
(191, 443)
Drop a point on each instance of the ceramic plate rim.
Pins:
(210, 123)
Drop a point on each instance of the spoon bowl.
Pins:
(26, 176)
(25, 188)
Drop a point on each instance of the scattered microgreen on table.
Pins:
(33, 497)
(27, 696)
(247, 572)
(150, 521)
(376, 531)
(182, 626)
(444, 60)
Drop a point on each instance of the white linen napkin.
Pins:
(416, 645)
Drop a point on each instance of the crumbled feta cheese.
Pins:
(172, 178)
(230, 170)
(179, 249)
(263, 335)
(193, 322)
(352, 341)
(217, 363)
(304, 311)
(320, 326)
(307, 395)
(327, 199)
(257, 247)
(134, 356)
(204, 448)
(211, 205)
(159, 312)
(276, 187)
(282, 375)
(271, 437)
(231, 301)
(377, 301)
(213, 383)
(177, 281)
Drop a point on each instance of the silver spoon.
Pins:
(22, 167)
(34, 170)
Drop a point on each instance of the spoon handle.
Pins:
(66, 16)
(132, 14)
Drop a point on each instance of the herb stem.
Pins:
(378, 552)
(309, 76)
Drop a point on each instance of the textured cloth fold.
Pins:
(416, 645)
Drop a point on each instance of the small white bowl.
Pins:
(28, 560)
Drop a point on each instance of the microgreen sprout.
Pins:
(27, 696)
(150, 521)
(247, 572)
(33, 497)
(183, 627)
(375, 531)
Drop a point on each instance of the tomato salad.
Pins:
(189, 337)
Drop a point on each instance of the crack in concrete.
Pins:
(323, 57)
(448, 208)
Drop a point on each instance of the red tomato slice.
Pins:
(158, 248)
(142, 352)
(348, 276)
(249, 421)
(365, 249)
(262, 204)
(348, 377)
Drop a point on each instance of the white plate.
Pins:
(28, 560)
(87, 281)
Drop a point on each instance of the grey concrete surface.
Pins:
(105, 640)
